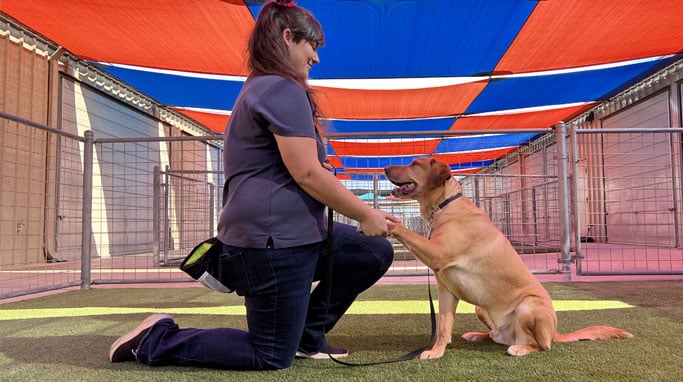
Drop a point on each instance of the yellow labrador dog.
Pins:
(473, 261)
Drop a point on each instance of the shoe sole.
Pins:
(320, 355)
(145, 324)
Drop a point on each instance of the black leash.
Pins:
(413, 354)
(328, 294)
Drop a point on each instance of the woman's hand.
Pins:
(377, 223)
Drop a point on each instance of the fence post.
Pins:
(86, 235)
(576, 222)
(375, 190)
(156, 214)
(212, 206)
(563, 190)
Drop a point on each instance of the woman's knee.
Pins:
(381, 251)
(384, 252)
(274, 360)
(276, 364)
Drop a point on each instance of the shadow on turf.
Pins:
(92, 351)
(407, 343)
(82, 351)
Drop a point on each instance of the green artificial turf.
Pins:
(66, 337)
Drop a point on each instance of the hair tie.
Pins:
(285, 3)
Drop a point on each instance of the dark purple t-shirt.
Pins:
(264, 201)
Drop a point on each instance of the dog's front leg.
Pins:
(427, 251)
(447, 305)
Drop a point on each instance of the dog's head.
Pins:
(419, 179)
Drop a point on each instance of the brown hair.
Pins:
(268, 53)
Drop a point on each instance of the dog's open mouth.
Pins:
(403, 190)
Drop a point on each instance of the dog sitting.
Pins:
(473, 261)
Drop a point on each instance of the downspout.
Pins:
(51, 120)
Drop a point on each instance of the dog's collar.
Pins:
(443, 204)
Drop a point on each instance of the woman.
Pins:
(273, 226)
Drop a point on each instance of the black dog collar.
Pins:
(441, 206)
(450, 199)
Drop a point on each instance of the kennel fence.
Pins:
(81, 210)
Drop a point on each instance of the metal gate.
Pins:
(187, 208)
(628, 201)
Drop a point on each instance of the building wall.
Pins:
(23, 150)
(41, 172)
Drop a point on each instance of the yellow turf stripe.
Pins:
(359, 307)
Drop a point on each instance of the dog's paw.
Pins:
(520, 350)
(432, 354)
(475, 336)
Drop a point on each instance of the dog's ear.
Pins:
(439, 173)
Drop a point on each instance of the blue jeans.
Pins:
(283, 315)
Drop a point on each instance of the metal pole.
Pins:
(212, 203)
(167, 235)
(534, 216)
(375, 190)
(156, 214)
(563, 202)
(575, 196)
(86, 235)
(676, 113)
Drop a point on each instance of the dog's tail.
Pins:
(592, 333)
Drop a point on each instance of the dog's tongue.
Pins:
(403, 190)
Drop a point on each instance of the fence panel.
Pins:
(153, 199)
(190, 213)
(131, 241)
(41, 178)
(630, 220)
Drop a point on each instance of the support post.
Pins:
(212, 206)
(574, 197)
(563, 202)
(375, 190)
(156, 214)
(86, 235)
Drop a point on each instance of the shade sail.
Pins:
(408, 68)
